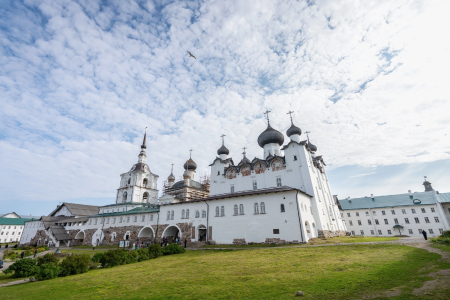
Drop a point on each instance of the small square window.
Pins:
(357, 214)
(353, 232)
(423, 210)
(413, 210)
(348, 214)
(430, 231)
(420, 231)
(276, 231)
(393, 212)
(406, 220)
(359, 222)
(372, 232)
(441, 230)
(151, 217)
(369, 222)
(379, 232)
(410, 231)
(436, 219)
(374, 213)
(295, 157)
(351, 223)
(427, 220)
(386, 221)
(395, 221)
(362, 232)
(367, 213)
(403, 211)
(376, 222)
(389, 232)
(383, 212)
(416, 220)
(432, 209)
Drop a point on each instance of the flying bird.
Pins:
(190, 55)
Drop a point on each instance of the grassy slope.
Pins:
(343, 239)
(326, 272)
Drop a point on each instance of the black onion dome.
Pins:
(312, 147)
(190, 164)
(223, 150)
(270, 136)
(293, 130)
(171, 177)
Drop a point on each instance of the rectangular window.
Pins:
(102, 221)
(107, 221)
(357, 214)
(276, 231)
(348, 214)
(372, 232)
(95, 222)
(410, 231)
(430, 231)
(255, 185)
(383, 212)
(90, 222)
(135, 218)
(406, 221)
(342, 215)
(393, 212)
(218, 173)
(420, 231)
(114, 220)
(376, 222)
(379, 232)
(151, 217)
(295, 157)
(389, 232)
(427, 220)
(423, 210)
(374, 213)
(395, 221)
(359, 222)
(449, 210)
(143, 218)
(417, 220)
(369, 222)
(121, 219)
(128, 219)
(232, 189)
(353, 232)
(432, 209)
(362, 232)
(413, 210)
(441, 230)
(367, 213)
(278, 181)
(404, 211)
(350, 222)
(436, 219)
(386, 221)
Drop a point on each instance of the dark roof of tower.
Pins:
(312, 147)
(171, 177)
(428, 187)
(190, 165)
(223, 150)
(293, 130)
(140, 167)
(270, 136)
(144, 142)
(192, 183)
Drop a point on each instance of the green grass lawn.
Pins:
(273, 273)
(84, 251)
(99, 247)
(342, 240)
(445, 248)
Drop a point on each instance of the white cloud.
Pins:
(80, 81)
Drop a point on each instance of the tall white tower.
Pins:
(138, 185)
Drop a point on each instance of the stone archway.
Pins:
(80, 236)
(171, 233)
(146, 235)
(201, 233)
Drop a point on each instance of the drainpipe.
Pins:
(373, 221)
(207, 221)
(299, 219)
(157, 224)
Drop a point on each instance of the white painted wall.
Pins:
(10, 233)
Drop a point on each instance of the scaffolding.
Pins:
(187, 193)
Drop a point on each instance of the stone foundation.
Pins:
(329, 233)
(239, 242)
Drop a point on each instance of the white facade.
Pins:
(10, 233)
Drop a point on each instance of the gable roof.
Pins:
(3, 216)
(77, 209)
(14, 221)
(388, 201)
(444, 197)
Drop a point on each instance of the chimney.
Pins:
(410, 194)
(349, 199)
(373, 198)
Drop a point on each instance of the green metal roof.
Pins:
(126, 203)
(14, 221)
(444, 197)
(389, 201)
(134, 211)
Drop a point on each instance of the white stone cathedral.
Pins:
(282, 197)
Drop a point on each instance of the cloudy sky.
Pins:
(80, 80)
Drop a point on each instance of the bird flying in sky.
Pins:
(190, 55)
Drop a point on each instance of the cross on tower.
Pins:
(172, 169)
(290, 113)
(244, 150)
(267, 113)
(190, 153)
(308, 135)
(223, 140)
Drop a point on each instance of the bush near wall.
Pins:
(23, 268)
(443, 239)
(47, 259)
(48, 271)
(173, 249)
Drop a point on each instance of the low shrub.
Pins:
(173, 249)
(75, 264)
(47, 259)
(113, 258)
(48, 271)
(143, 254)
(441, 240)
(445, 233)
(12, 256)
(155, 250)
(23, 268)
(97, 256)
(93, 265)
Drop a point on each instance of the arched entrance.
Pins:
(146, 234)
(314, 229)
(309, 232)
(80, 236)
(202, 233)
(172, 233)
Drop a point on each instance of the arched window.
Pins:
(197, 214)
(182, 214)
(241, 209)
(282, 208)
(203, 214)
(145, 197)
(235, 210)
(171, 215)
(255, 209)
(187, 213)
(129, 180)
(145, 182)
(263, 208)
(124, 198)
(222, 211)
(217, 211)
(168, 215)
